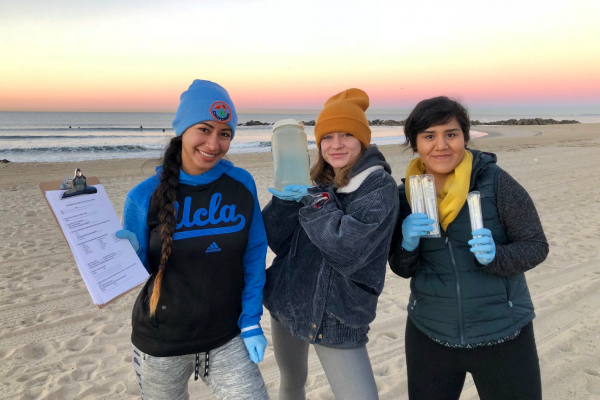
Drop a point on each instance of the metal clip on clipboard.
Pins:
(78, 187)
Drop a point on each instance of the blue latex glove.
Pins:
(125, 234)
(256, 346)
(483, 246)
(413, 227)
(291, 192)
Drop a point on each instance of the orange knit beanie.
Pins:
(345, 112)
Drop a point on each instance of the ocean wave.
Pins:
(17, 137)
(238, 145)
(78, 149)
(266, 143)
(88, 128)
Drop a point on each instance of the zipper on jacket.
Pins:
(458, 295)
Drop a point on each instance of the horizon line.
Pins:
(299, 111)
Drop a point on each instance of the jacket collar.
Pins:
(481, 160)
(357, 180)
(371, 157)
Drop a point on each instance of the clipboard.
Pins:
(45, 186)
(55, 185)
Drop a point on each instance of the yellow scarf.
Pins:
(453, 195)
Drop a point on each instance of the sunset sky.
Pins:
(133, 55)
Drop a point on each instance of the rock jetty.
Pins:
(392, 122)
(312, 122)
(386, 122)
(254, 123)
(375, 122)
(527, 121)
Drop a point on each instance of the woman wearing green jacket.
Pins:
(470, 309)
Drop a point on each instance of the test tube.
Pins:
(430, 201)
(416, 194)
(474, 202)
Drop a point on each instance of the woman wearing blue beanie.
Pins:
(197, 227)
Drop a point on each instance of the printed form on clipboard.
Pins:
(109, 265)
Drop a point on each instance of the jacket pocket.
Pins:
(350, 304)
(142, 322)
(183, 310)
(275, 289)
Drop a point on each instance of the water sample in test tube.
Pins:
(429, 198)
(474, 202)
(423, 200)
(416, 194)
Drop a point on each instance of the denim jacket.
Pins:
(330, 262)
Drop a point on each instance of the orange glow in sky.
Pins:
(140, 56)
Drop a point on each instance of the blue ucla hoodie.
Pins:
(213, 281)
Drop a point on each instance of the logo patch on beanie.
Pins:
(220, 111)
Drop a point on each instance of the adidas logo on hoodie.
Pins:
(213, 248)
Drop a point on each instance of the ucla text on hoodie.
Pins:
(212, 284)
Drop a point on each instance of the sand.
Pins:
(55, 344)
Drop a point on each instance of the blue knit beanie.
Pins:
(204, 101)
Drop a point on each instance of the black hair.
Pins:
(432, 112)
(163, 199)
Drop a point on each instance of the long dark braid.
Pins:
(163, 200)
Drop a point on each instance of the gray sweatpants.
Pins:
(231, 375)
(348, 371)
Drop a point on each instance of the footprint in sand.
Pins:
(390, 335)
(85, 366)
(78, 343)
(568, 348)
(103, 318)
(84, 372)
(119, 388)
(13, 274)
(33, 392)
(593, 372)
(593, 386)
(34, 351)
(35, 380)
(111, 329)
(51, 315)
(382, 370)
(63, 392)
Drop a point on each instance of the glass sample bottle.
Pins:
(290, 154)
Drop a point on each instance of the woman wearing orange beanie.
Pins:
(331, 243)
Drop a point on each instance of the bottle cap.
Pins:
(288, 121)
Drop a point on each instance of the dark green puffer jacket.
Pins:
(453, 297)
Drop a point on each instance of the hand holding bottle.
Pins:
(291, 192)
(413, 227)
(483, 246)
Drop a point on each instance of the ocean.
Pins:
(61, 136)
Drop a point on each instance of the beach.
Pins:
(56, 344)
